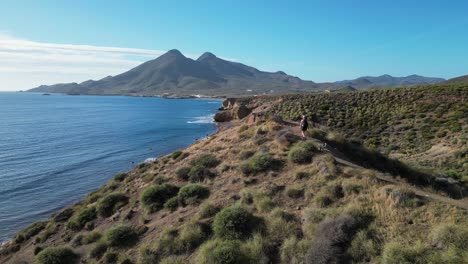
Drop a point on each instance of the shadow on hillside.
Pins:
(375, 160)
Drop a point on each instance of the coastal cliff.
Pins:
(255, 192)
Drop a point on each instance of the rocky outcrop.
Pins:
(237, 112)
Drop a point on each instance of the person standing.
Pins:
(304, 126)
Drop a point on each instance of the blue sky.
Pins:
(315, 40)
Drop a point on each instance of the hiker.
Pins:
(304, 125)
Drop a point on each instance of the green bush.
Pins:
(198, 173)
(282, 225)
(302, 152)
(208, 210)
(98, 250)
(192, 235)
(226, 252)
(107, 205)
(176, 154)
(397, 253)
(205, 160)
(57, 255)
(447, 235)
(295, 192)
(192, 193)
(235, 222)
(246, 154)
(154, 197)
(121, 236)
(294, 251)
(110, 257)
(83, 217)
(183, 173)
(30, 231)
(260, 162)
(172, 204)
(120, 177)
(64, 215)
(91, 238)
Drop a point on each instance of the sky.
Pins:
(47, 42)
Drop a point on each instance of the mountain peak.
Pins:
(206, 55)
(175, 52)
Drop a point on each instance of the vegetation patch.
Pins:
(198, 173)
(260, 162)
(110, 203)
(192, 194)
(64, 215)
(302, 152)
(30, 231)
(205, 160)
(235, 222)
(183, 173)
(57, 255)
(154, 197)
(121, 236)
(82, 218)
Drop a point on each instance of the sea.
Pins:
(54, 149)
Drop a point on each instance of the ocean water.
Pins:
(55, 149)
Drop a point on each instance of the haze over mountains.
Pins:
(174, 74)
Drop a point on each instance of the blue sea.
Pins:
(55, 149)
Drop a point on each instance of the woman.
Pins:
(304, 125)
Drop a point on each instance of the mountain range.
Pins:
(173, 74)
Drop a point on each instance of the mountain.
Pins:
(173, 73)
(256, 192)
(389, 81)
(461, 79)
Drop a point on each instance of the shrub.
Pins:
(83, 217)
(295, 192)
(37, 250)
(331, 240)
(302, 175)
(397, 253)
(173, 260)
(208, 210)
(294, 250)
(122, 235)
(192, 235)
(226, 252)
(147, 255)
(192, 193)
(30, 231)
(282, 225)
(302, 152)
(57, 255)
(107, 205)
(159, 179)
(168, 243)
(257, 249)
(260, 162)
(98, 250)
(263, 203)
(77, 240)
(64, 215)
(172, 204)
(183, 173)
(110, 257)
(234, 222)
(154, 197)
(198, 173)
(120, 177)
(91, 237)
(176, 154)
(363, 248)
(205, 160)
(446, 235)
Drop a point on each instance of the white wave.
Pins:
(149, 160)
(202, 120)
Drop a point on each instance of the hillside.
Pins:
(389, 81)
(461, 79)
(424, 125)
(174, 75)
(256, 193)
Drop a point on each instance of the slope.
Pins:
(252, 193)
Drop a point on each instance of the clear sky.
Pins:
(45, 42)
